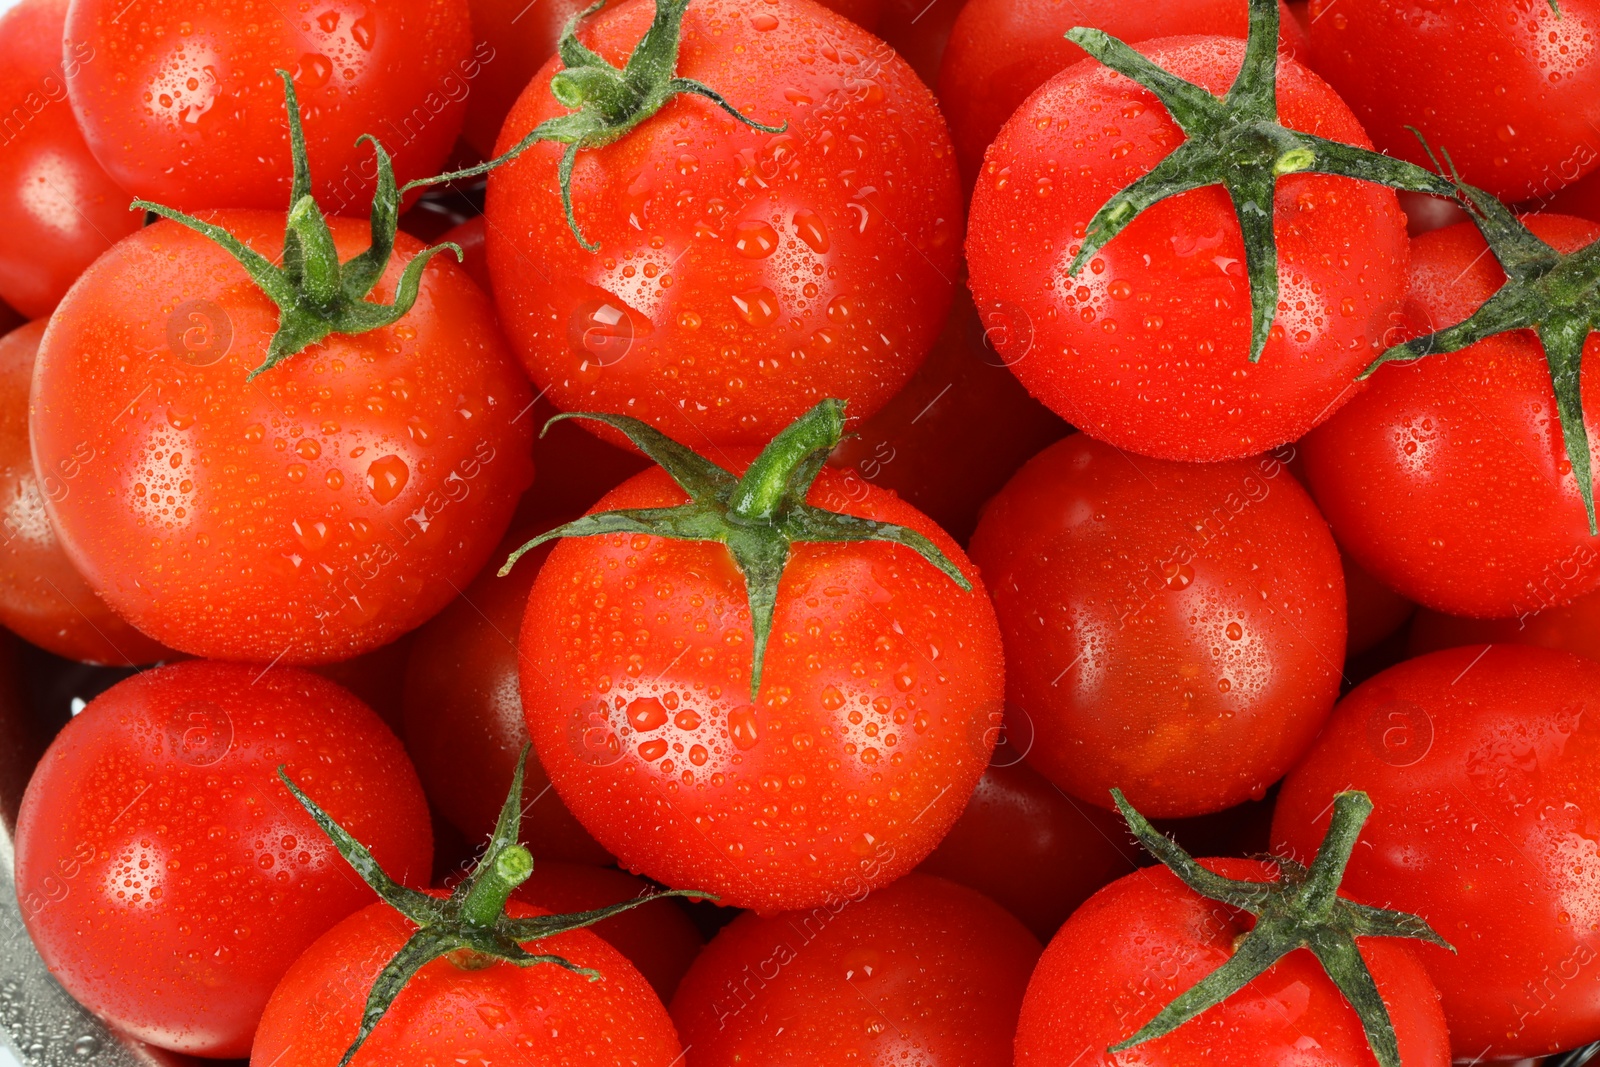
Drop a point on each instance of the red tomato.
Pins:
(319, 511)
(378, 678)
(1000, 51)
(923, 972)
(657, 937)
(1574, 627)
(1447, 479)
(1581, 198)
(60, 209)
(180, 104)
(1148, 346)
(1173, 630)
(1505, 86)
(168, 878)
(446, 1014)
(1146, 938)
(1031, 848)
(919, 31)
(1376, 611)
(1483, 767)
(742, 276)
(42, 596)
(463, 717)
(513, 39)
(880, 686)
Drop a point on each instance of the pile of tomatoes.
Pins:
(691, 531)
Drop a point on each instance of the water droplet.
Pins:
(386, 476)
(742, 727)
(646, 714)
(764, 22)
(758, 306)
(812, 230)
(754, 239)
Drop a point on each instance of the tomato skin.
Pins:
(1148, 347)
(653, 741)
(1376, 611)
(710, 311)
(1451, 435)
(43, 598)
(167, 876)
(395, 72)
(880, 978)
(1514, 105)
(1146, 938)
(315, 513)
(1173, 630)
(919, 32)
(61, 209)
(547, 1014)
(1000, 51)
(1573, 627)
(1482, 766)
(512, 40)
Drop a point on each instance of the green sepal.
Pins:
(758, 516)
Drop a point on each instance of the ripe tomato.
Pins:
(1573, 627)
(1030, 847)
(1000, 51)
(885, 978)
(1376, 611)
(1448, 479)
(1514, 104)
(1173, 630)
(463, 716)
(165, 874)
(742, 276)
(377, 677)
(880, 686)
(61, 209)
(1483, 767)
(1146, 938)
(447, 1014)
(1148, 346)
(657, 937)
(180, 104)
(316, 512)
(919, 32)
(42, 596)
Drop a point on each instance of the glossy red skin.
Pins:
(1000, 51)
(512, 39)
(43, 598)
(1148, 347)
(61, 209)
(795, 802)
(1581, 198)
(1031, 848)
(670, 321)
(1120, 585)
(1574, 627)
(1447, 479)
(167, 876)
(919, 31)
(1514, 105)
(436, 394)
(657, 938)
(463, 716)
(182, 104)
(378, 678)
(542, 1014)
(923, 972)
(1483, 766)
(1146, 938)
(1375, 610)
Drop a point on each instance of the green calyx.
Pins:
(1554, 295)
(758, 516)
(315, 293)
(1238, 143)
(469, 928)
(1302, 909)
(608, 102)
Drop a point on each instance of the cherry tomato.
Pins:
(1147, 347)
(42, 596)
(1573, 627)
(919, 31)
(180, 104)
(61, 209)
(168, 878)
(378, 678)
(924, 972)
(742, 276)
(543, 1014)
(1146, 938)
(1504, 86)
(1000, 51)
(1447, 480)
(1031, 848)
(512, 40)
(1376, 611)
(1483, 767)
(319, 511)
(880, 686)
(1174, 630)
(657, 937)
